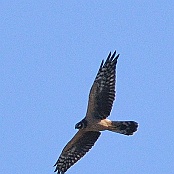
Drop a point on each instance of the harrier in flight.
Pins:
(101, 98)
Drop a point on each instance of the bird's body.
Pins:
(101, 97)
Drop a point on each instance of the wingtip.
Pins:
(56, 169)
(114, 52)
(58, 172)
(109, 55)
(113, 55)
(101, 65)
(117, 56)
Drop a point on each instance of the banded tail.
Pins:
(124, 127)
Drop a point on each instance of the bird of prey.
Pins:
(101, 98)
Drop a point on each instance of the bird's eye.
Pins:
(78, 125)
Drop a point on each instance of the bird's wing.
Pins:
(75, 149)
(102, 93)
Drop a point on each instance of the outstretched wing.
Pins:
(76, 148)
(102, 93)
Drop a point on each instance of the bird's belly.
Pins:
(100, 125)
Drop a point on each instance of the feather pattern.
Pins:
(102, 93)
(80, 144)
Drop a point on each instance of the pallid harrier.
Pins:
(101, 97)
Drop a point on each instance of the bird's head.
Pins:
(81, 125)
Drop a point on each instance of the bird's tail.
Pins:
(124, 127)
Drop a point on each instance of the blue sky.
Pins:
(50, 54)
